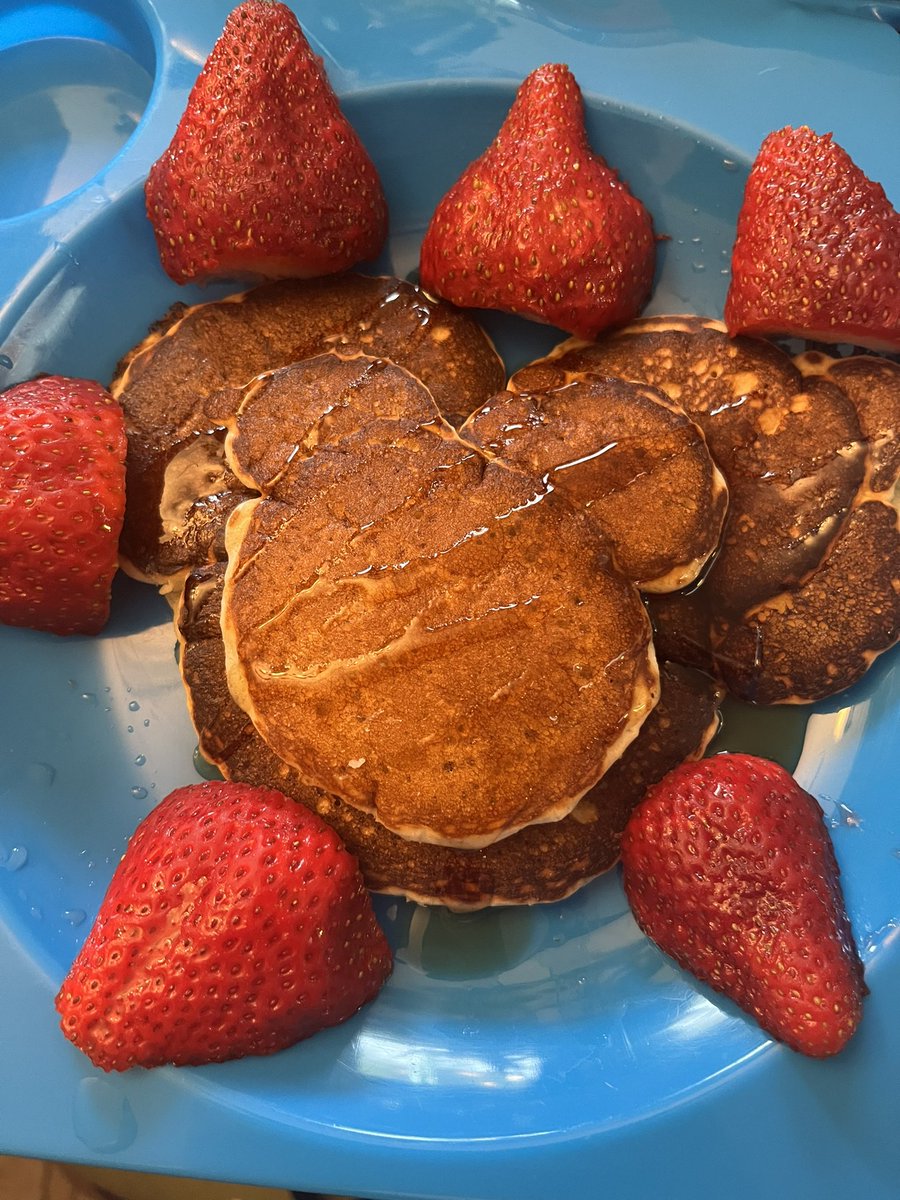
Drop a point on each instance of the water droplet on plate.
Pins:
(877, 939)
(140, 759)
(40, 774)
(103, 1118)
(698, 266)
(133, 706)
(204, 768)
(89, 698)
(15, 860)
(6, 361)
(75, 916)
(729, 164)
(842, 814)
(139, 793)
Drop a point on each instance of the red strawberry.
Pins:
(236, 923)
(62, 501)
(729, 868)
(539, 224)
(265, 175)
(817, 252)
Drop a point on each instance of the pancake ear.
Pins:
(626, 455)
(322, 406)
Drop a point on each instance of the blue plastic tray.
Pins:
(523, 1053)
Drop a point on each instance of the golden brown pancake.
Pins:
(873, 386)
(539, 864)
(791, 449)
(822, 637)
(818, 637)
(628, 456)
(806, 446)
(178, 388)
(400, 611)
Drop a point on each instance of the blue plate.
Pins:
(521, 1053)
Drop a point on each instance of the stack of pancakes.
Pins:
(804, 591)
(417, 601)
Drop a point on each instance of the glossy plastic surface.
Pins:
(519, 1053)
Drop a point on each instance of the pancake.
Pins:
(821, 638)
(873, 386)
(178, 388)
(400, 611)
(539, 864)
(809, 451)
(628, 456)
(817, 638)
(683, 629)
(791, 448)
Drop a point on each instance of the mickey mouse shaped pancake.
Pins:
(433, 636)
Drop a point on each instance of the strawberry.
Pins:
(817, 248)
(62, 501)
(236, 923)
(265, 176)
(539, 224)
(729, 868)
